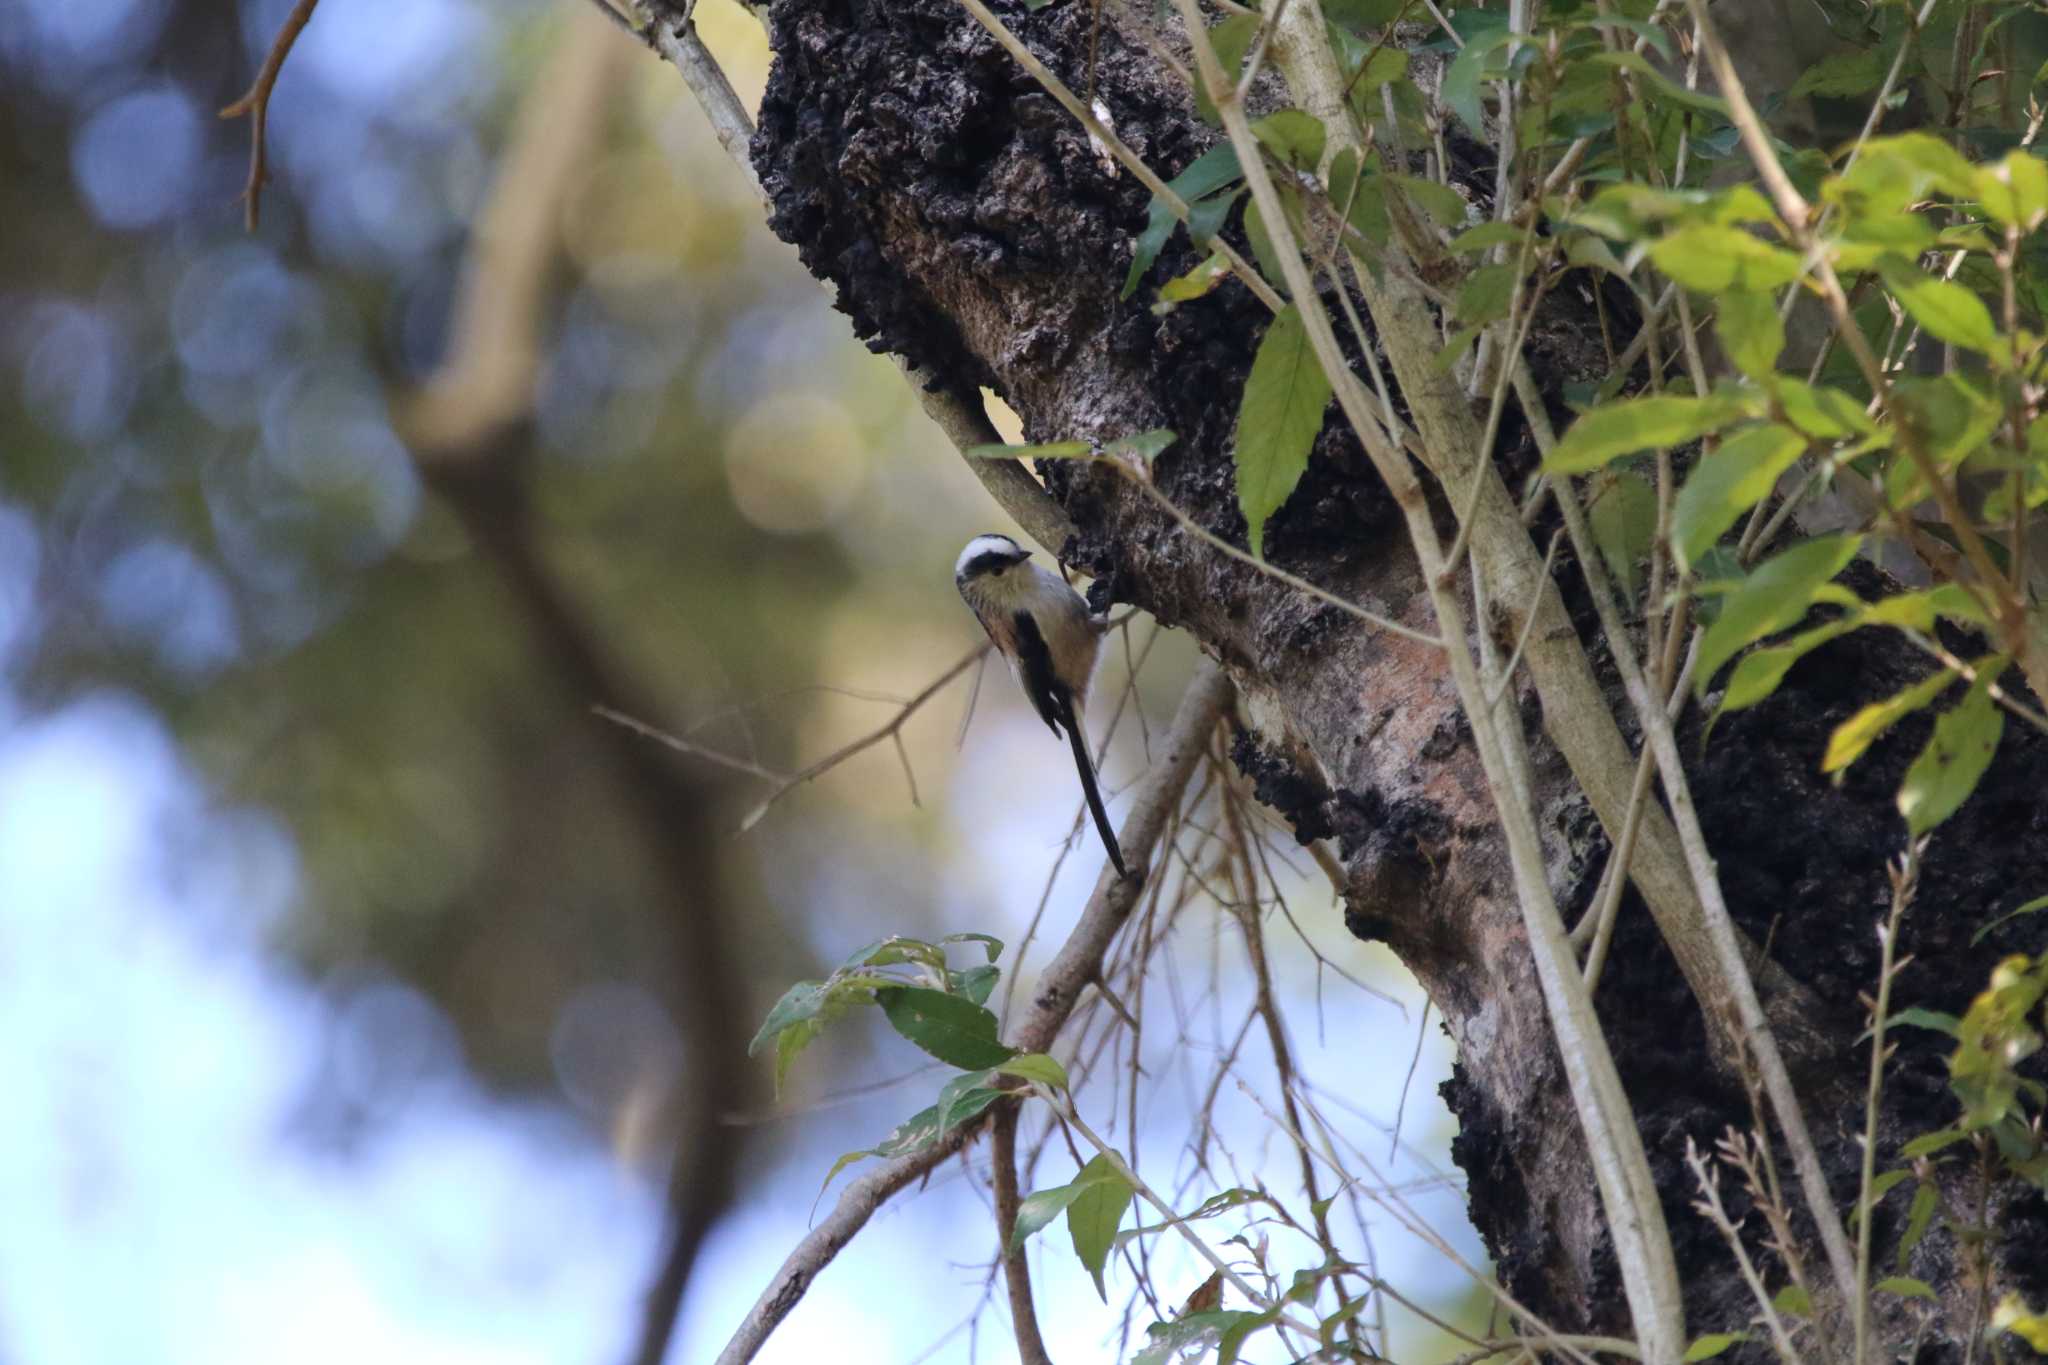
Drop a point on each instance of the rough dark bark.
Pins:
(971, 228)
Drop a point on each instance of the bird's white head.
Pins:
(988, 554)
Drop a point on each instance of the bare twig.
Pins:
(256, 105)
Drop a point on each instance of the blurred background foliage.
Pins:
(219, 556)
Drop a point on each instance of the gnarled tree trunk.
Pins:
(970, 227)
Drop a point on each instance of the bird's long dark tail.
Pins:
(1079, 739)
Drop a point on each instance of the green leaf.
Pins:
(1856, 734)
(1958, 752)
(1793, 1299)
(962, 1097)
(1758, 673)
(1166, 1340)
(1036, 1066)
(1854, 72)
(798, 1003)
(2015, 191)
(1231, 38)
(2033, 906)
(1207, 274)
(1712, 1344)
(1263, 250)
(923, 1128)
(1056, 450)
(1919, 1017)
(1710, 259)
(1477, 62)
(1294, 136)
(1486, 294)
(1624, 519)
(992, 945)
(975, 983)
(1772, 598)
(1879, 1188)
(1362, 16)
(950, 1028)
(1144, 445)
(1927, 1144)
(1947, 311)
(1626, 425)
(1824, 414)
(1095, 1213)
(1750, 332)
(2013, 1315)
(1278, 421)
(1210, 171)
(1439, 201)
(1905, 1287)
(1918, 1216)
(1660, 84)
(1486, 236)
(1039, 1208)
(1728, 481)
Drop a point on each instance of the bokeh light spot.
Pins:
(794, 462)
(134, 159)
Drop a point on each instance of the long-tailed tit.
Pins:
(1043, 628)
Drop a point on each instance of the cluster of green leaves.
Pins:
(1903, 198)
(943, 1010)
(2001, 1119)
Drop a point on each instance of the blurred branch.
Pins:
(256, 105)
(784, 785)
(1078, 962)
(470, 432)
(670, 30)
(486, 381)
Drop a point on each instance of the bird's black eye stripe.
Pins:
(988, 561)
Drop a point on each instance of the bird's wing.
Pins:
(1035, 673)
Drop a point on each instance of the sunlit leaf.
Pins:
(1709, 260)
(2013, 1315)
(1856, 734)
(1958, 752)
(1750, 332)
(1905, 1287)
(1628, 425)
(1727, 482)
(1278, 421)
(2015, 191)
(1758, 673)
(1772, 598)
(1206, 275)
(1947, 311)
(1712, 1344)
(1054, 450)
(1210, 171)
